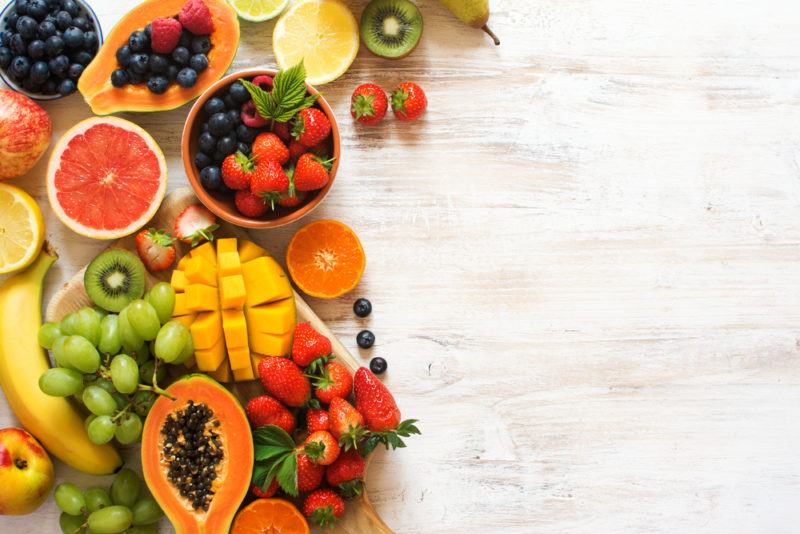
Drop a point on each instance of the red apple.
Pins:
(25, 130)
(26, 472)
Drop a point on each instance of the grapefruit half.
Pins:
(106, 178)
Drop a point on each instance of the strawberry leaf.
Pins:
(271, 435)
(287, 475)
(351, 488)
(323, 516)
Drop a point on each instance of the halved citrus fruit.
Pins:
(325, 259)
(21, 229)
(322, 33)
(258, 10)
(106, 178)
(270, 516)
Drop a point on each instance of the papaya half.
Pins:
(104, 99)
(197, 455)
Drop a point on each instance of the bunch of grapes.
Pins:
(125, 507)
(112, 364)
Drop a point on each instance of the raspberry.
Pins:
(165, 34)
(250, 205)
(196, 17)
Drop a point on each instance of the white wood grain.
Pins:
(583, 265)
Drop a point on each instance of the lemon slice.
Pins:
(21, 229)
(258, 10)
(322, 33)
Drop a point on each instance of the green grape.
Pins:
(60, 382)
(101, 429)
(99, 401)
(71, 524)
(124, 373)
(131, 341)
(186, 353)
(129, 429)
(88, 324)
(58, 352)
(69, 498)
(96, 498)
(146, 372)
(48, 333)
(88, 421)
(143, 401)
(110, 520)
(152, 528)
(144, 319)
(125, 488)
(110, 342)
(69, 324)
(162, 297)
(105, 384)
(80, 354)
(143, 354)
(171, 340)
(146, 511)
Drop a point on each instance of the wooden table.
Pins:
(583, 264)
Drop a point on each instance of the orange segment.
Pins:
(270, 516)
(325, 259)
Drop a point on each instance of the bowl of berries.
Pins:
(261, 147)
(45, 45)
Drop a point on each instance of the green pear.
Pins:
(473, 13)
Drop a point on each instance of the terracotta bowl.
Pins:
(222, 204)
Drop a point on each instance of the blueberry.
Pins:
(187, 77)
(207, 142)
(5, 57)
(219, 157)
(230, 104)
(244, 148)
(172, 72)
(227, 144)
(219, 125)
(135, 77)
(204, 128)
(63, 20)
(235, 116)
(214, 105)
(54, 45)
(148, 31)
(52, 3)
(50, 87)
(378, 365)
(21, 7)
(73, 37)
(18, 45)
(365, 339)
(71, 7)
(139, 63)
(46, 29)
(211, 178)
(27, 27)
(59, 65)
(75, 70)
(245, 133)
(5, 38)
(20, 66)
(158, 84)
(81, 23)
(90, 41)
(158, 63)
(124, 55)
(199, 62)
(31, 86)
(181, 55)
(36, 49)
(82, 57)
(238, 93)
(202, 160)
(186, 39)
(139, 42)
(119, 78)
(362, 307)
(38, 9)
(200, 45)
(40, 72)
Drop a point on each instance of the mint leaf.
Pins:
(288, 96)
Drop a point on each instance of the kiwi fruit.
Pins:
(391, 28)
(114, 279)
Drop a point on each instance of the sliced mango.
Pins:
(250, 251)
(232, 293)
(239, 358)
(200, 297)
(222, 373)
(186, 320)
(235, 328)
(275, 318)
(225, 245)
(182, 262)
(180, 305)
(210, 359)
(270, 344)
(207, 251)
(265, 281)
(206, 330)
(229, 264)
(244, 374)
(201, 271)
(178, 281)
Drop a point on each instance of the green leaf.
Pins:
(267, 452)
(272, 435)
(265, 104)
(287, 475)
(288, 96)
(369, 445)
(259, 474)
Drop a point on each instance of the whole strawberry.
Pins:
(250, 205)
(264, 410)
(281, 129)
(380, 411)
(195, 224)
(408, 101)
(317, 419)
(308, 345)
(309, 474)
(269, 146)
(347, 424)
(269, 181)
(321, 447)
(156, 248)
(311, 127)
(237, 170)
(291, 198)
(347, 473)
(368, 104)
(334, 381)
(261, 494)
(311, 172)
(284, 380)
(323, 507)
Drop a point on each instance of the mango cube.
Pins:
(270, 344)
(182, 262)
(201, 271)
(250, 251)
(180, 305)
(275, 318)
(200, 297)
(235, 328)
(239, 358)
(256, 359)
(178, 281)
(186, 320)
(229, 264)
(206, 330)
(265, 281)
(222, 373)
(244, 374)
(225, 245)
(232, 293)
(207, 251)
(211, 358)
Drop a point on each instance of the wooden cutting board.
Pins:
(360, 517)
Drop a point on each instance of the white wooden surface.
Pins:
(583, 265)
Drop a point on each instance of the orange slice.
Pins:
(325, 259)
(270, 516)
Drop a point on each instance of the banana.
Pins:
(473, 13)
(53, 420)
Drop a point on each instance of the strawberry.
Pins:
(264, 410)
(380, 411)
(196, 17)
(317, 419)
(284, 380)
(291, 198)
(195, 224)
(321, 447)
(335, 381)
(347, 473)
(156, 248)
(237, 171)
(296, 149)
(368, 104)
(311, 172)
(269, 146)
(347, 425)
(261, 494)
(323, 507)
(311, 127)
(165, 32)
(408, 101)
(309, 474)
(250, 205)
(308, 345)
(281, 129)
(269, 181)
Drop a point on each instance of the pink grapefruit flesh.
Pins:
(106, 178)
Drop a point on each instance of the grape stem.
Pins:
(154, 388)
(121, 412)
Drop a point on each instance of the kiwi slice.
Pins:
(391, 28)
(114, 279)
